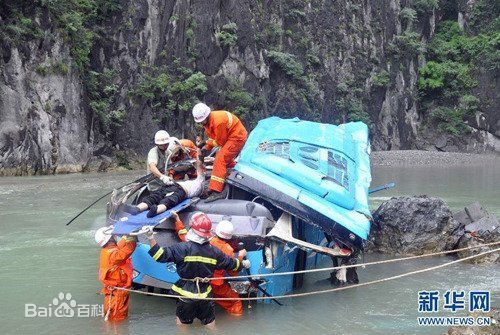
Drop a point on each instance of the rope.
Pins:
(304, 294)
(357, 265)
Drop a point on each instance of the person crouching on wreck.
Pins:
(194, 259)
(168, 196)
(115, 270)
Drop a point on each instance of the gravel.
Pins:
(431, 158)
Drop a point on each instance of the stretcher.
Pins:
(130, 224)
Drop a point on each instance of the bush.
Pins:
(227, 35)
(122, 159)
(469, 104)
(425, 6)
(408, 43)
(450, 120)
(408, 14)
(353, 109)
(288, 63)
(447, 79)
(57, 68)
(102, 91)
(451, 79)
(381, 79)
(312, 59)
(451, 43)
(238, 99)
(169, 90)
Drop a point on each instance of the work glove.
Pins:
(166, 180)
(245, 263)
(149, 233)
(242, 254)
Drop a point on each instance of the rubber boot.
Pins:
(131, 209)
(218, 195)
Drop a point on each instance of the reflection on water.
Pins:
(40, 257)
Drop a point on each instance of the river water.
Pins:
(41, 257)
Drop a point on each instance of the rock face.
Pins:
(320, 60)
(44, 126)
(414, 225)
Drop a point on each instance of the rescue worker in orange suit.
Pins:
(220, 287)
(195, 258)
(115, 270)
(226, 131)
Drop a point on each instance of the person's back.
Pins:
(115, 270)
(115, 266)
(224, 126)
(194, 259)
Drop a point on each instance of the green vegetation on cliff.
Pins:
(456, 57)
(170, 90)
(324, 61)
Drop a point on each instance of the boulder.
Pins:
(482, 231)
(462, 217)
(441, 143)
(414, 225)
(475, 211)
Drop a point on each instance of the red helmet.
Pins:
(201, 224)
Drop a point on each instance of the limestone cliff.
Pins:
(76, 87)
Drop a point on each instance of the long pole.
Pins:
(382, 187)
(140, 180)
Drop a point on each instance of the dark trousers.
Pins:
(188, 310)
(168, 195)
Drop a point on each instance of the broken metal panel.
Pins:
(283, 230)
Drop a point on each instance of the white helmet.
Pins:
(101, 238)
(224, 229)
(162, 137)
(200, 112)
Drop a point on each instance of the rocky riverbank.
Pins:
(420, 224)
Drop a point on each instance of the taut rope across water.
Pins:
(297, 295)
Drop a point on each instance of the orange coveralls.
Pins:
(193, 153)
(115, 269)
(220, 288)
(224, 129)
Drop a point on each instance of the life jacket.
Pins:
(115, 265)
